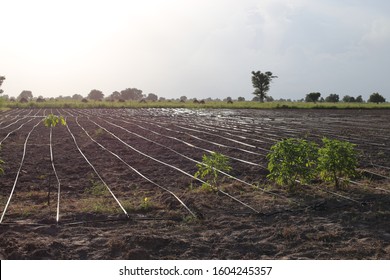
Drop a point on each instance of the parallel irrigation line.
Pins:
(217, 129)
(360, 144)
(226, 138)
(234, 126)
(173, 167)
(330, 133)
(380, 166)
(375, 174)
(323, 130)
(18, 173)
(187, 144)
(214, 129)
(4, 127)
(330, 192)
(351, 137)
(14, 131)
(361, 184)
(207, 141)
(94, 169)
(367, 126)
(228, 132)
(5, 119)
(186, 173)
(55, 173)
(136, 171)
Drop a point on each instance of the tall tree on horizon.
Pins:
(261, 83)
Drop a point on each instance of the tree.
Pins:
(2, 78)
(229, 100)
(25, 94)
(183, 98)
(116, 95)
(131, 94)
(349, 99)
(313, 97)
(261, 83)
(332, 98)
(241, 99)
(376, 98)
(77, 97)
(152, 97)
(359, 99)
(95, 95)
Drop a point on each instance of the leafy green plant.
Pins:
(52, 120)
(208, 169)
(337, 159)
(292, 159)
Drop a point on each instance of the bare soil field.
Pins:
(121, 186)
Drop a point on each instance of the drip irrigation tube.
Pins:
(136, 171)
(94, 169)
(14, 131)
(18, 173)
(186, 173)
(55, 173)
(186, 143)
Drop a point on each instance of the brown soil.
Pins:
(310, 223)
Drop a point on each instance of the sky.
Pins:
(196, 48)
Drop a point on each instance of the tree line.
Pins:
(334, 98)
(260, 82)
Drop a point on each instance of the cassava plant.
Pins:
(291, 160)
(52, 120)
(209, 167)
(337, 159)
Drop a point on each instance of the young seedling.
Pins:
(209, 167)
(291, 160)
(337, 159)
(52, 120)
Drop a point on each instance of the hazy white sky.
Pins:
(197, 48)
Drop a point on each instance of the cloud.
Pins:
(196, 48)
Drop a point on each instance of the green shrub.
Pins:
(291, 160)
(337, 159)
(208, 169)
